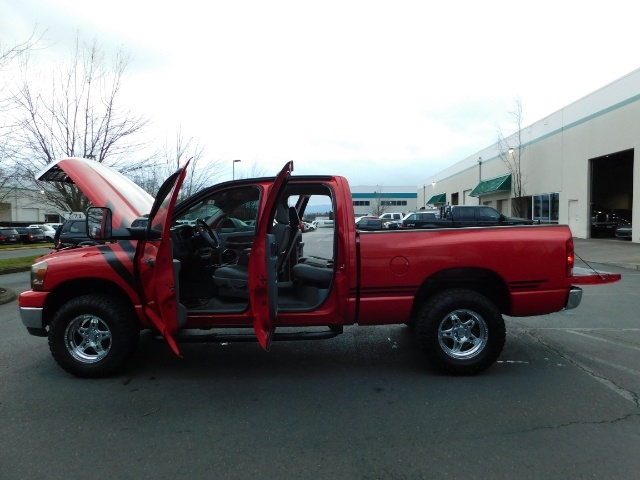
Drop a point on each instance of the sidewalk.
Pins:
(608, 251)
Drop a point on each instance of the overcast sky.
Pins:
(382, 92)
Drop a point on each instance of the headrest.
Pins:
(282, 215)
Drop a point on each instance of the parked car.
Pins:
(308, 227)
(9, 235)
(624, 231)
(74, 232)
(30, 234)
(454, 216)
(392, 224)
(369, 223)
(391, 216)
(48, 230)
(604, 221)
(417, 219)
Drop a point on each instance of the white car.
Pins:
(309, 227)
(48, 230)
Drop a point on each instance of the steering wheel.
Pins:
(207, 233)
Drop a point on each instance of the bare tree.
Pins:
(9, 54)
(74, 112)
(377, 206)
(201, 173)
(256, 170)
(510, 151)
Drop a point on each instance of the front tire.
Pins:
(461, 332)
(93, 336)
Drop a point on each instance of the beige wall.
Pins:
(557, 154)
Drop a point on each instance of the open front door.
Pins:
(263, 264)
(154, 263)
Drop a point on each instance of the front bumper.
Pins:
(574, 299)
(32, 311)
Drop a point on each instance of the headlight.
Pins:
(38, 272)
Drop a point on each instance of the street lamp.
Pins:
(479, 169)
(424, 195)
(234, 169)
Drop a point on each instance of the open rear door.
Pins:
(263, 264)
(154, 263)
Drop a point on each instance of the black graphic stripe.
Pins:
(114, 262)
(389, 291)
(526, 284)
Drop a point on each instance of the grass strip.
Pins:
(20, 262)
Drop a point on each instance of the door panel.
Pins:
(263, 275)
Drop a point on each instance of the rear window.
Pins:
(77, 226)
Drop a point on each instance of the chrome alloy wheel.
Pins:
(463, 334)
(88, 339)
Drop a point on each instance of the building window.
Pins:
(546, 207)
(361, 203)
(393, 203)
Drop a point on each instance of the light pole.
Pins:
(424, 195)
(479, 169)
(233, 177)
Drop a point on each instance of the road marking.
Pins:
(612, 365)
(626, 394)
(605, 340)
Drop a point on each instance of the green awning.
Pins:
(498, 184)
(439, 198)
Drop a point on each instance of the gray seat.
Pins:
(313, 275)
(233, 280)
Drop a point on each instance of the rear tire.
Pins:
(461, 332)
(94, 335)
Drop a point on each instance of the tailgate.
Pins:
(590, 276)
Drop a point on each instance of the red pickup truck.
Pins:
(229, 264)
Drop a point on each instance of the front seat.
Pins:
(233, 280)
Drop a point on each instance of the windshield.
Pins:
(231, 210)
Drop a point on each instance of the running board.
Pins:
(251, 337)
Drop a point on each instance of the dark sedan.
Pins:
(9, 235)
(30, 234)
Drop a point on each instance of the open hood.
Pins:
(103, 186)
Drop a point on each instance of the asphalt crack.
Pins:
(623, 392)
(611, 421)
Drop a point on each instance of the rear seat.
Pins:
(314, 272)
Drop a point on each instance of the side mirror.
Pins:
(502, 218)
(99, 223)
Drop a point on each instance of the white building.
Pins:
(21, 205)
(366, 199)
(580, 155)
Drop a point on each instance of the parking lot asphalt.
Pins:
(608, 251)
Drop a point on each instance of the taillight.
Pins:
(570, 257)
